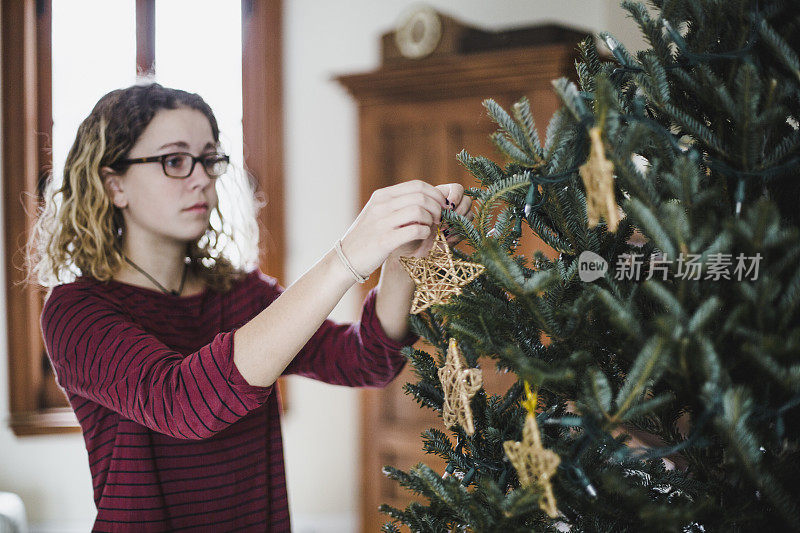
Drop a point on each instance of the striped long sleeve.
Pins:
(357, 354)
(100, 354)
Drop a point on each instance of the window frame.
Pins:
(26, 107)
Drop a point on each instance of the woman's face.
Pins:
(155, 206)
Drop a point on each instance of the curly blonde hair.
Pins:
(79, 231)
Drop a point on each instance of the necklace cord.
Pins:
(163, 289)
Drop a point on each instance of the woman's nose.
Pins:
(199, 176)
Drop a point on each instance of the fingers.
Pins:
(453, 192)
(393, 216)
(418, 199)
(412, 214)
(418, 202)
(412, 232)
(458, 203)
(455, 197)
(413, 186)
(464, 207)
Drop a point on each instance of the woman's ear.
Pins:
(112, 182)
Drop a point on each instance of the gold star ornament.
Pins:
(438, 276)
(459, 384)
(534, 464)
(598, 179)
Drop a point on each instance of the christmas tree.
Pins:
(668, 184)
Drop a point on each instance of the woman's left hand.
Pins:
(458, 202)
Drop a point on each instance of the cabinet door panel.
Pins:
(408, 151)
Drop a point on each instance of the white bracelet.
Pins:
(359, 277)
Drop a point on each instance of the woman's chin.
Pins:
(192, 236)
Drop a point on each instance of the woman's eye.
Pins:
(174, 161)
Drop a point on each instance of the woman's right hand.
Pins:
(392, 217)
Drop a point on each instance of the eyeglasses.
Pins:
(181, 164)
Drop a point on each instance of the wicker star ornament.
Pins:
(438, 276)
(459, 384)
(598, 179)
(534, 464)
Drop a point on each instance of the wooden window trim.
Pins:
(27, 130)
(145, 37)
(262, 121)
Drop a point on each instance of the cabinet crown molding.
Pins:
(475, 74)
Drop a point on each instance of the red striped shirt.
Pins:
(176, 438)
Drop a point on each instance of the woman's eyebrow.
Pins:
(184, 144)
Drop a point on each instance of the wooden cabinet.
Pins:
(415, 116)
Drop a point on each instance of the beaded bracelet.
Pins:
(359, 277)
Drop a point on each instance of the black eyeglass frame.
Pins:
(163, 160)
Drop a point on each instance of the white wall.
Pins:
(323, 39)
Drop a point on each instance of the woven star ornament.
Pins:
(459, 384)
(534, 464)
(438, 276)
(598, 179)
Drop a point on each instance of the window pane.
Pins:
(94, 52)
(199, 49)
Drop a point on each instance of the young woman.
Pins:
(167, 350)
